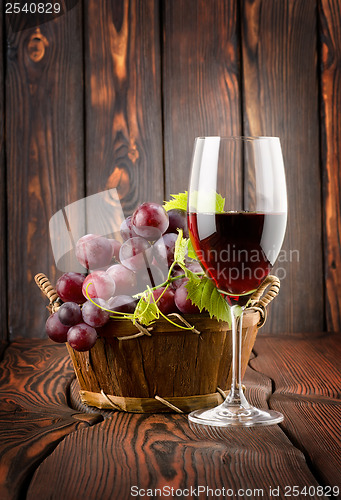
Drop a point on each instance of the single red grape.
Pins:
(69, 313)
(135, 253)
(183, 303)
(166, 302)
(94, 315)
(122, 303)
(150, 220)
(82, 337)
(69, 287)
(55, 329)
(177, 220)
(125, 279)
(93, 251)
(164, 248)
(99, 285)
(127, 230)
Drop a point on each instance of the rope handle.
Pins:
(274, 284)
(258, 302)
(45, 286)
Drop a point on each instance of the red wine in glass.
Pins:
(234, 249)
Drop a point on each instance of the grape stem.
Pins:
(168, 281)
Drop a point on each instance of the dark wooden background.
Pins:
(113, 93)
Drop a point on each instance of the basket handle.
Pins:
(259, 302)
(258, 299)
(45, 286)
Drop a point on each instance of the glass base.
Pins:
(238, 416)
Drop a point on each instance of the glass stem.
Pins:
(236, 395)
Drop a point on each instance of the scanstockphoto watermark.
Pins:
(21, 15)
(195, 492)
(234, 264)
(306, 491)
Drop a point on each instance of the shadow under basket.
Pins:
(163, 368)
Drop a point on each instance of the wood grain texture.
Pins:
(158, 450)
(34, 412)
(3, 214)
(123, 100)
(201, 74)
(280, 93)
(330, 50)
(44, 141)
(308, 394)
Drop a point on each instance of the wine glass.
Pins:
(237, 213)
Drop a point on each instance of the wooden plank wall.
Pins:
(281, 99)
(3, 227)
(123, 100)
(330, 53)
(201, 79)
(112, 94)
(45, 153)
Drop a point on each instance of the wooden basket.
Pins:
(163, 368)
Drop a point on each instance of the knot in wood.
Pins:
(36, 46)
(133, 154)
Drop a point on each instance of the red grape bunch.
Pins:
(119, 269)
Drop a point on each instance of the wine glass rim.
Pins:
(238, 137)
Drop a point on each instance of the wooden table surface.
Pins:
(52, 447)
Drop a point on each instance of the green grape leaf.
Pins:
(179, 201)
(180, 250)
(219, 204)
(207, 201)
(146, 310)
(192, 276)
(191, 252)
(204, 294)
